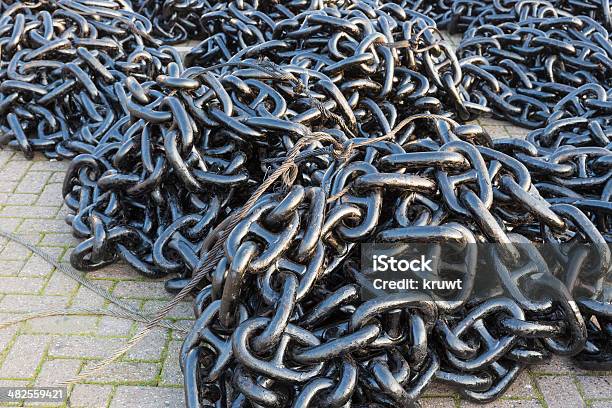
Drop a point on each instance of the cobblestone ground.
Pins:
(46, 351)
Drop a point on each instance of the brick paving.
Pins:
(46, 351)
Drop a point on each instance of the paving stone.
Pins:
(30, 211)
(20, 199)
(49, 165)
(33, 182)
(7, 186)
(113, 326)
(141, 290)
(31, 303)
(84, 347)
(517, 132)
(14, 251)
(14, 285)
(51, 193)
(596, 387)
(506, 403)
(488, 122)
(148, 397)
(134, 303)
(90, 396)
(557, 365)
(150, 348)
(58, 176)
(497, 132)
(177, 335)
(87, 298)
(115, 271)
(19, 157)
(521, 388)
(560, 391)
(6, 335)
(184, 310)
(437, 402)
(44, 225)
(14, 170)
(58, 404)
(32, 238)
(36, 266)
(53, 372)
(60, 239)
(5, 156)
(10, 224)
(13, 383)
(171, 371)
(60, 284)
(63, 325)
(24, 357)
(439, 389)
(10, 268)
(126, 372)
(601, 404)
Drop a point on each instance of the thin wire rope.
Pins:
(130, 311)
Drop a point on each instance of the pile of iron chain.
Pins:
(279, 327)
(283, 322)
(61, 64)
(174, 21)
(540, 61)
(166, 154)
(196, 141)
(226, 25)
(457, 15)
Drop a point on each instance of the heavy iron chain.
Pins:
(281, 321)
(199, 140)
(174, 21)
(237, 22)
(536, 61)
(457, 15)
(61, 63)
